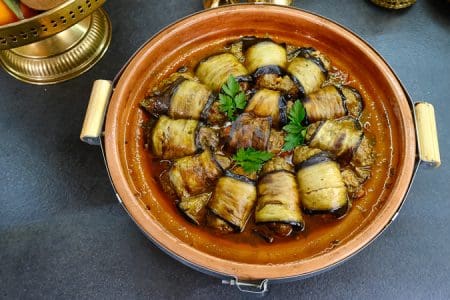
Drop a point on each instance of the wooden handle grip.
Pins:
(427, 134)
(95, 114)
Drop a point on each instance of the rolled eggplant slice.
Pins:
(174, 138)
(265, 57)
(183, 99)
(189, 100)
(269, 103)
(308, 70)
(215, 70)
(249, 131)
(193, 175)
(278, 200)
(321, 186)
(195, 207)
(353, 101)
(324, 104)
(233, 200)
(340, 137)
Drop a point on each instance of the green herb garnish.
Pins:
(231, 98)
(251, 160)
(296, 132)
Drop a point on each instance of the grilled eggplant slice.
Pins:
(332, 102)
(215, 70)
(249, 131)
(276, 82)
(189, 100)
(233, 200)
(218, 224)
(324, 104)
(195, 207)
(173, 138)
(340, 137)
(322, 188)
(183, 99)
(353, 101)
(278, 199)
(265, 57)
(269, 103)
(193, 175)
(276, 141)
(308, 70)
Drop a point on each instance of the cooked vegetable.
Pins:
(195, 207)
(251, 160)
(340, 137)
(322, 189)
(353, 101)
(265, 57)
(308, 70)
(295, 130)
(232, 98)
(326, 103)
(173, 138)
(193, 175)
(215, 70)
(233, 200)
(268, 103)
(183, 99)
(249, 131)
(276, 82)
(278, 199)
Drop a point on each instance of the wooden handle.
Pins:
(427, 134)
(95, 114)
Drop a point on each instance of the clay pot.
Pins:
(187, 41)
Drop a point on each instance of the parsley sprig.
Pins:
(231, 98)
(296, 132)
(251, 160)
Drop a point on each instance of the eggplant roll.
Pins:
(174, 138)
(269, 103)
(340, 137)
(193, 175)
(184, 99)
(249, 131)
(265, 57)
(332, 102)
(195, 207)
(353, 101)
(322, 188)
(307, 70)
(324, 104)
(278, 199)
(233, 200)
(215, 70)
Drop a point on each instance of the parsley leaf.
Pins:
(296, 132)
(231, 98)
(251, 160)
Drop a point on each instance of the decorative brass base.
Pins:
(62, 56)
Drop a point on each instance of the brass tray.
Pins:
(56, 45)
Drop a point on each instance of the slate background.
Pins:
(64, 235)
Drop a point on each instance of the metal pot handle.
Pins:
(259, 288)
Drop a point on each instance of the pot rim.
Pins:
(196, 258)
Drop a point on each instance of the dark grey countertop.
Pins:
(64, 235)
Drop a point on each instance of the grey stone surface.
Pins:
(63, 234)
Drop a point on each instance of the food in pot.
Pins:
(246, 152)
